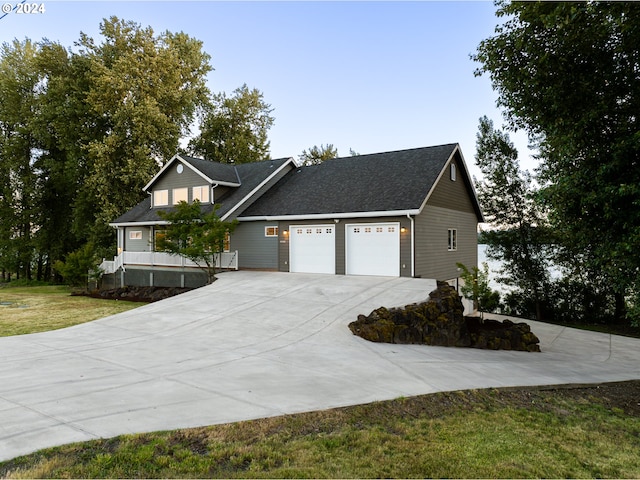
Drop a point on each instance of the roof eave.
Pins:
(324, 216)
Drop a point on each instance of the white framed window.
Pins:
(180, 195)
(201, 193)
(452, 171)
(135, 234)
(160, 198)
(453, 239)
(270, 231)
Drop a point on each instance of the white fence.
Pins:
(226, 260)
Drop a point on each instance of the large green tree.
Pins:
(142, 93)
(19, 87)
(521, 237)
(569, 74)
(234, 129)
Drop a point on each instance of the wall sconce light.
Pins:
(285, 233)
(403, 229)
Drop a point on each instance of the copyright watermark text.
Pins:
(22, 8)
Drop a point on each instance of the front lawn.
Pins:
(42, 308)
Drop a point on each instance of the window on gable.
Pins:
(453, 240)
(160, 198)
(201, 193)
(453, 172)
(270, 231)
(135, 234)
(180, 195)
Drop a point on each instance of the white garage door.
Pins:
(373, 249)
(312, 248)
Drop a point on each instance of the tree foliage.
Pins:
(234, 129)
(569, 74)
(317, 155)
(521, 238)
(476, 287)
(82, 130)
(194, 234)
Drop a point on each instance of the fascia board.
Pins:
(139, 224)
(157, 175)
(177, 157)
(257, 189)
(475, 200)
(324, 216)
(465, 172)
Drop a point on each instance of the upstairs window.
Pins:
(201, 194)
(452, 171)
(160, 198)
(180, 195)
(453, 240)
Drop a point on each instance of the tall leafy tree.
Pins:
(143, 91)
(521, 238)
(317, 155)
(569, 73)
(234, 129)
(19, 86)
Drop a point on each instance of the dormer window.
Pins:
(160, 198)
(201, 193)
(180, 195)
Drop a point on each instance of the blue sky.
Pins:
(367, 76)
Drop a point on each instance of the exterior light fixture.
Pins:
(403, 229)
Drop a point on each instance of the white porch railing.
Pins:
(226, 260)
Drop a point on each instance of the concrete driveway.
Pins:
(257, 344)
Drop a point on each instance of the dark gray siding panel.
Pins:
(433, 260)
(451, 194)
(142, 245)
(172, 179)
(255, 250)
(405, 241)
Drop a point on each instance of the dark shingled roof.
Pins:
(215, 171)
(380, 182)
(250, 174)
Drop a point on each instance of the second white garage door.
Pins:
(373, 249)
(312, 248)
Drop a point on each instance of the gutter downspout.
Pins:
(413, 245)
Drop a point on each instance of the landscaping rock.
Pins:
(440, 321)
(137, 294)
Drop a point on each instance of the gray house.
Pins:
(410, 213)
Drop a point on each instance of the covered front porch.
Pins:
(159, 269)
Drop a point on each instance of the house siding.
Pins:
(255, 250)
(142, 245)
(433, 259)
(172, 179)
(452, 195)
(340, 239)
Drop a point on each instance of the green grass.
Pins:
(33, 309)
(511, 433)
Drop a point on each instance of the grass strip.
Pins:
(586, 432)
(42, 308)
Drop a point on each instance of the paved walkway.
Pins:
(257, 344)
